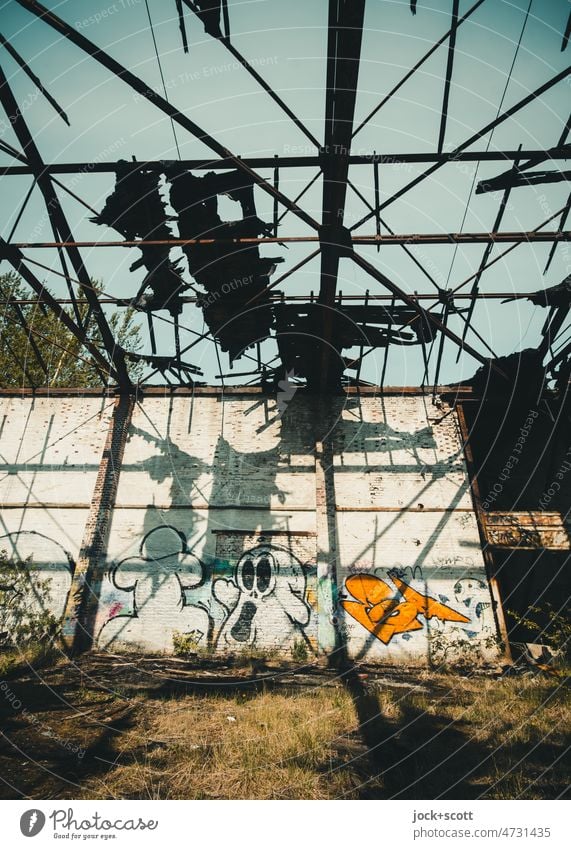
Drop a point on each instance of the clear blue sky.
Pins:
(286, 41)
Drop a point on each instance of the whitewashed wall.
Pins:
(50, 449)
(222, 526)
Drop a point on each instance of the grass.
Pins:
(306, 734)
(266, 746)
(467, 736)
(33, 656)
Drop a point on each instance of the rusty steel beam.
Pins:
(448, 80)
(279, 296)
(555, 153)
(383, 239)
(345, 31)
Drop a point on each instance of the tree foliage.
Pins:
(63, 361)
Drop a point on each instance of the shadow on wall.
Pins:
(226, 590)
(253, 590)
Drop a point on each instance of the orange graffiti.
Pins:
(385, 615)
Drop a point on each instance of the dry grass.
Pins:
(454, 737)
(270, 746)
(151, 730)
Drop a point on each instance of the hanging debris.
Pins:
(209, 13)
(136, 210)
(298, 329)
(236, 304)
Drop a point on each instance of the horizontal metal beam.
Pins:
(383, 239)
(279, 296)
(301, 161)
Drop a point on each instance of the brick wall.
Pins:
(242, 526)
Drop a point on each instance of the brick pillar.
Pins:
(83, 599)
(326, 519)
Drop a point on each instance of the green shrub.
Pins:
(299, 651)
(25, 617)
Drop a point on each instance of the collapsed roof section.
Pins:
(314, 336)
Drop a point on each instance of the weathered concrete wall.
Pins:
(242, 527)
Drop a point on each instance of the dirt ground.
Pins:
(112, 727)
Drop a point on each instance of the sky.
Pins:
(286, 43)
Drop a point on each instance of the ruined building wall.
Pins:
(243, 524)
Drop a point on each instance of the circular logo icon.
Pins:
(32, 822)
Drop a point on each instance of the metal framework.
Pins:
(326, 315)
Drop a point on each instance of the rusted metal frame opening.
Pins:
(485, 295)
(286, 274)
(161, 103)
(418, 65)
(299, 196)
(379, 220)
(426, 274)
(508, 113)
(61, 226)
(208, 336)
(486, 550)
(256, 76)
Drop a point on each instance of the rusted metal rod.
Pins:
(279, 296)
(383, 239)
(307, 161)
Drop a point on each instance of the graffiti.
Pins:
(154, 604)
(473, 594)
(385, 614)
(265, 599)
(401, 572)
